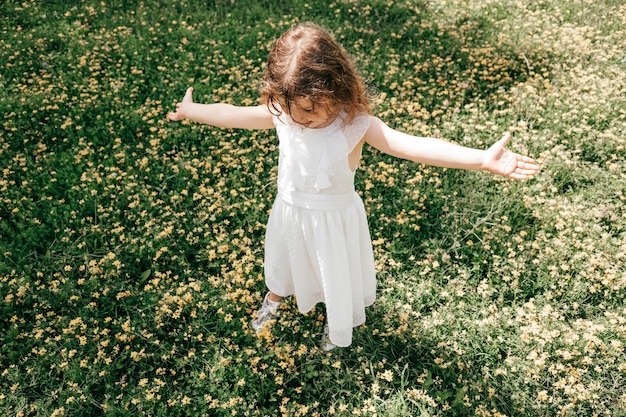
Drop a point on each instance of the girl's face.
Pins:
(311, 114)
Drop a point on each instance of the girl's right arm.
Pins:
(222, 114)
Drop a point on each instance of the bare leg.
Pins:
(274, 298)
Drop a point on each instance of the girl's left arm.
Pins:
(431, 151)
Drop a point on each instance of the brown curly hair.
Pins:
(307, 62)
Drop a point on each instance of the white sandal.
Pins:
(267, 312)
(326, 344)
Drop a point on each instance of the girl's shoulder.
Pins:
(358, 124)
(355, 129)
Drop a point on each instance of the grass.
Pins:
(131, 248)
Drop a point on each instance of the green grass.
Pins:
(131, 248)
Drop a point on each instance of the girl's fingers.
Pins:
(525, 158)
(527, 163)
(175, 116)
(506, 138)
(188, 95)
(530, 167)
(526, 167)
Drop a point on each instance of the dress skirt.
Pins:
(318, 247)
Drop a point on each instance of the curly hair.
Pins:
(307, 62)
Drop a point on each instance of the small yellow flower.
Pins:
(387, 375)
(542, 396)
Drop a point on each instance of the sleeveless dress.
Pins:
(317, 243)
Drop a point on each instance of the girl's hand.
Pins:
(501, 161)
(179, 114)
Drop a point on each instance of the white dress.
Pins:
(317, 244)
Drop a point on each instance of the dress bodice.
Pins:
(315, 161)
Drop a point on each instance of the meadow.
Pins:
(131, 248)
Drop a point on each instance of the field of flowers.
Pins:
(131, 248)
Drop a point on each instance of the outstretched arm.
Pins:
(222, 114)
(430, 151)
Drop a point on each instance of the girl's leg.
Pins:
(274, 297)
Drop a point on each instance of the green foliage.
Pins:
(131, 248)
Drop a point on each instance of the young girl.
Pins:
(317, 243)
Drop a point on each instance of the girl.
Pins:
(317, 243)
